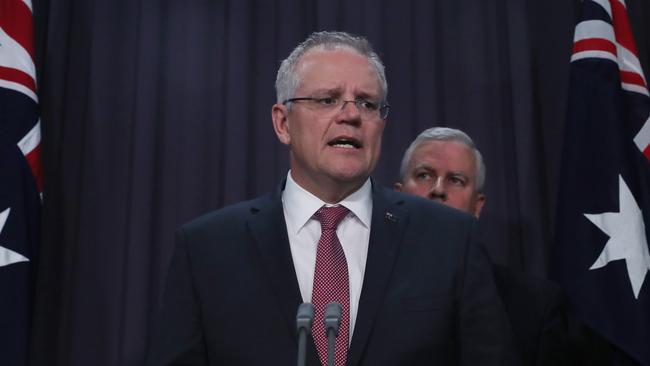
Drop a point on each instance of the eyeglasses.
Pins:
(367, 109)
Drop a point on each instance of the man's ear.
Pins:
(279, 114)
(478, 205)
(397, 186)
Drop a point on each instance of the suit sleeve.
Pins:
(178, 339)
(484, 335)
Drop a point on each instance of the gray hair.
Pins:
(287, 81)
(446, 134)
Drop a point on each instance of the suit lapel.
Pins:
(269, 232)
(386, 231)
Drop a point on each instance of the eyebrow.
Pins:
(459, 174)
(366, 95)
(423, 166)
(430, 168)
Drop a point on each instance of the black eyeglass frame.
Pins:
(383, 109)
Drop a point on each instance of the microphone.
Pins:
(333, 311)
(304, 318)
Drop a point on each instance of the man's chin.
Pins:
(350, 176)
(349, 170)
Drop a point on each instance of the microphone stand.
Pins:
(304, 320)
(333, 311)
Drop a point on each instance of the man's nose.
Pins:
(349, 111)
(437, 190)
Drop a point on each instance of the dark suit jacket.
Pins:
(428, 295)
(535, 309)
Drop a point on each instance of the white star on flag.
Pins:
(627, 238)
(8, 256)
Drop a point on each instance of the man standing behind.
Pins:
(414, 286)
(444, 165)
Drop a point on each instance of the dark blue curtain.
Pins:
(155, 111)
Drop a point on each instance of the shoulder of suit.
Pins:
(233, 213)
(422, 206)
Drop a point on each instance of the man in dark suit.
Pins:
(414, 286)
(444, 165)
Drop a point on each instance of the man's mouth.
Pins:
(345, 142)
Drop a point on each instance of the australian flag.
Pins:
(20, 179)
(602, 257)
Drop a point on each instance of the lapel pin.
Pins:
(390, 217)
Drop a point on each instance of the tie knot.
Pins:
(330, 217)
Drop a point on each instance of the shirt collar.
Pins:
(300, 205)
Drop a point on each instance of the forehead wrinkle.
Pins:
(427, 166)
(337, 90)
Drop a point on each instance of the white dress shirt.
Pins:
(304, 232)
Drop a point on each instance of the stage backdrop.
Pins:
(156, 111)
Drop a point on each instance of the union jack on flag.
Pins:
(601, 256)
(20, 179)
(611, 39)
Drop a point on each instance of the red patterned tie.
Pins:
(331, 283)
